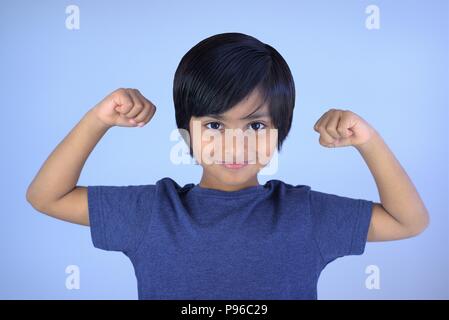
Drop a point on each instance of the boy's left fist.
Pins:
(340, 128)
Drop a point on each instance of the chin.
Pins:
(235, 177)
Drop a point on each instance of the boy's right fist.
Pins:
(125, 108)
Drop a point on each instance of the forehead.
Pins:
(252, 104)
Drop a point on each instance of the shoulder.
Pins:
(289, 193)
(168, 184)
(286, 187)
(163, 183)
(135, 190)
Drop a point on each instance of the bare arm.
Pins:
(53, 191)
(59, 174)
(401, 213)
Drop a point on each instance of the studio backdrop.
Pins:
(385, 60)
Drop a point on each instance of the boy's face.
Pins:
(234, 146)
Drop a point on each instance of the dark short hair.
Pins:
(221, 70)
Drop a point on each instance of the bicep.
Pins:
(384, 227)
(72, 207)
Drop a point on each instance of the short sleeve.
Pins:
(340, 224)
(119, 215)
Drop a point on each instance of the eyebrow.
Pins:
(252, 115)
(257, 115)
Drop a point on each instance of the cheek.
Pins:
(195, 130)
(205, 146)
(266, 144)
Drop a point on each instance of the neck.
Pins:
(211, 183)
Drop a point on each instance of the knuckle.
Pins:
(147, 118)
(127, 107)
(141, 116)
(323, 141)
(147, 105)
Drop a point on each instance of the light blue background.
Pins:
(395, 77)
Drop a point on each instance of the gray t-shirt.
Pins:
(264, 242)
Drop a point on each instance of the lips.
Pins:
(233, 166)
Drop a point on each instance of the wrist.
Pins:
(95, 121)
(373, 141)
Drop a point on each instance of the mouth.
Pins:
(233, 166)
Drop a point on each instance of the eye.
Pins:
(214, 125)
(257, 126)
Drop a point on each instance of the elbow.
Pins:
(32, 199)
(420, 225)
(29, 196)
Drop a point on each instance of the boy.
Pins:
(228, 237)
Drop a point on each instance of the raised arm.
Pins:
(401, 213)
(53, 191)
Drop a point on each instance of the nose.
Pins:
(235, 148)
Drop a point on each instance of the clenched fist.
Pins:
(125, 108)
(340, 128)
